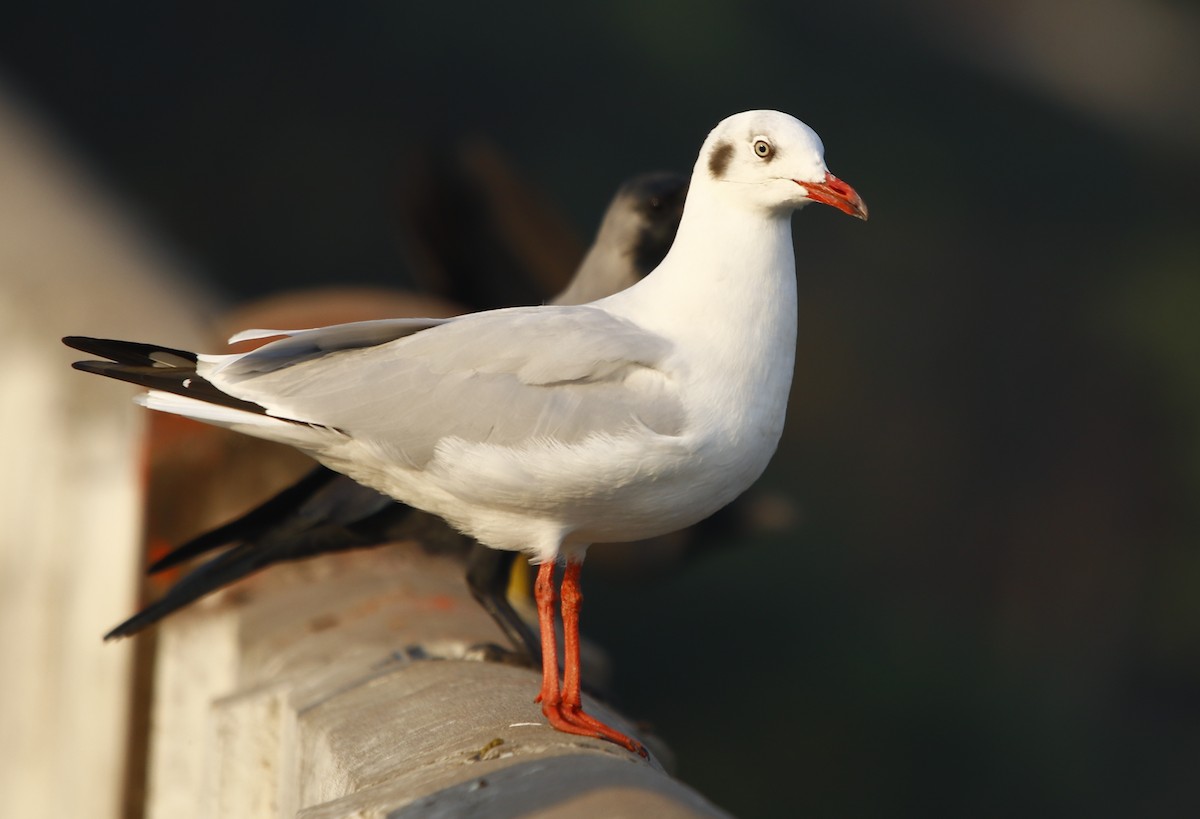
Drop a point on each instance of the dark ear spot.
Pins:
(718, 160)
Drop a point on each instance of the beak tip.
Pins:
(838, 194)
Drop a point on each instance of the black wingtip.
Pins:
(178, 379)
(132, 352)
(96, 367)
(128, 628)
(87, 344)
(138, 623)
(119, 633)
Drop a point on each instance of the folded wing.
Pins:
(505, 377)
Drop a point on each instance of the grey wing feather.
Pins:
(303, 345)
(501, 377)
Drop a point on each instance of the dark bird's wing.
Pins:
(324, 512)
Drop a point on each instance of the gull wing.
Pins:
(504, 378)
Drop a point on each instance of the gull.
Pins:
(548, 429)
(326, 511)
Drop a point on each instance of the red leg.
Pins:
(572, 698)
(543, 593)
(572, 601)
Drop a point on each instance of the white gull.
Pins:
(548, 429)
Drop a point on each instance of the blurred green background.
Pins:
(990, 602)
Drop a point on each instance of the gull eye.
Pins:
(763, 148)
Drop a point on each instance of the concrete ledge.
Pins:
(345, 686)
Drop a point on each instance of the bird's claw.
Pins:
(573, 720)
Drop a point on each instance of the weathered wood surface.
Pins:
(345, 687)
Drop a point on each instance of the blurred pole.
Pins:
(70, 513)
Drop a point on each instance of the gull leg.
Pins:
(572, 707)
(543, 592)
(565, 711)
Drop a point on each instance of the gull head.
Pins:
(771, 161)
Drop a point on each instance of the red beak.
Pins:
(837, 193)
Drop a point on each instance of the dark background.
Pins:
(990, 603)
